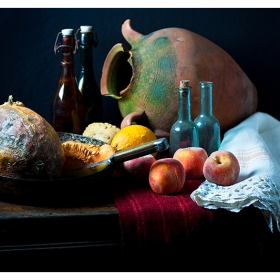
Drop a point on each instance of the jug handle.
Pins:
(129, 33)
(137, 116)
(141, 118)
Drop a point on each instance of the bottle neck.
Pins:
(67, 56)
(184, 107)
(86, 52)
(206, 98)
(67, 70)
(67, 52)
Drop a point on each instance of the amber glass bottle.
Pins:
(67, 110)
(183, 133)
(86, 81)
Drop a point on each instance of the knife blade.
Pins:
(158, 145)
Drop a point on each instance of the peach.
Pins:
(139, 167)
(192, 159)
(222, 168)
(167, 176)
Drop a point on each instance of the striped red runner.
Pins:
(157, 225)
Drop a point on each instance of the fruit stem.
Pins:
(10, 100)
(217, 160)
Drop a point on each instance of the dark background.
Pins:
(30, 69)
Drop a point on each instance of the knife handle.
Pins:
(158, 145)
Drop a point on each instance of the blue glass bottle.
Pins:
(207, 125)
(183, 133)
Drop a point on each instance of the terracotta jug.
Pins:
(145, 78)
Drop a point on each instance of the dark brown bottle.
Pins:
(67, 110)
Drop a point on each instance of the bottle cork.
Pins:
(86, 28)
(67, 31)
(184, 83)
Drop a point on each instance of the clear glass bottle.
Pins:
(67, 110)
(183, 133)
(207, 125)
(86, 82)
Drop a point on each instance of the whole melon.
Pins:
(30, 148)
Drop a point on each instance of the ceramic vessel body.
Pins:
(145, 78)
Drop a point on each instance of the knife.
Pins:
(158, 145)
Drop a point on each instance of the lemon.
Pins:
(131, 136)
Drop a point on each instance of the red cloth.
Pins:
(157, 226)
(147, 217)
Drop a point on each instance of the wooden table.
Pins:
(83, 238)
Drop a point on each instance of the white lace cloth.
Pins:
(256, 144)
